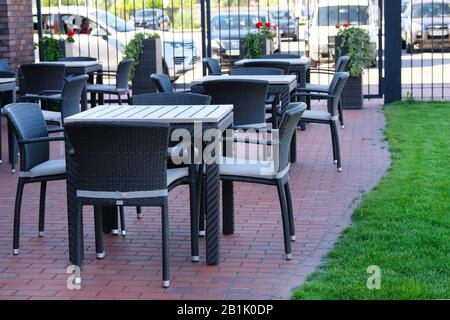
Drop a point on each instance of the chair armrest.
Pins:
(313, 95)
(106, 73)
(248, 140)
(310, 90)
(55, 130)
(43, 139)
(272, 99)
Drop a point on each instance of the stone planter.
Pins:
(352, 95)
(267, 46)
(150, 61)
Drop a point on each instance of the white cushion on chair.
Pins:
(175, 174)
(52, 116)
(250, 168)
(47, 168)
(316, 115)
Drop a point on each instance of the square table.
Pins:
(210, 117)
(8, 85)
(80, 68)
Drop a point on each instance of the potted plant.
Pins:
(354, 42)
(256, 44)
(52, 48)
(145, 49)
(69, 50)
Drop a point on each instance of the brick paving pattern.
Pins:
(252, 264)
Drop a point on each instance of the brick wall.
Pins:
(16, 32)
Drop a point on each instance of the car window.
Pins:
(430, 10)
(282, 15)
(148, 13)
(113, 21)
(236, 22)
(355, 15)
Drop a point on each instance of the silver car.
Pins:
(425, 24)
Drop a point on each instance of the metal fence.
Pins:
(192, 29)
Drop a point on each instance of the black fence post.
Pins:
(393, 51)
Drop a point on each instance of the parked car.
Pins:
(228, 29)
(328, 13)
(152, 19)
(425, 24)
(287, 23)
(108, 36)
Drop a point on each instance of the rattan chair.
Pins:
(38, 80)
(110, 175)
(271, 172)
(331, 116)
(213, 66)
(35, 165)
(120, 88)
(163, 83)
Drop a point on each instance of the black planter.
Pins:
(352, 95)
(266, 46)
(150, 61)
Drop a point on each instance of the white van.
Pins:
(109, 36)
(328, 13)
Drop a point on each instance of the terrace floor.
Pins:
(252, 264)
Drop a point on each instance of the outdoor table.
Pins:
(8, 85)
(80, 68)
(210, 117)
(284, 85)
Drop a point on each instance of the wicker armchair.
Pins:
(35, 165)
(40, 80)
(163, 83)
(110, 175)
(213, 66)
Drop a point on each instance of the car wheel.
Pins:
(294, 37)
(164, 26)
(403, 44)
(409, 48)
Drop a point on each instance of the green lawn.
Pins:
(403, 225)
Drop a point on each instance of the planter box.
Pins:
(352, 95)
(267, 47)
(150, 61)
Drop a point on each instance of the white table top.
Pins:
(292, 61)
(7, 80)
(74, 64)
(281, 79)
(162, 114)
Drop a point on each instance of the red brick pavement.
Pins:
(252, 264)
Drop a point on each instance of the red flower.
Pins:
(274, 27)
(53, 27)
(70, 33)
(337, 26)
(346, 25)
(268, 24)
(259, 24)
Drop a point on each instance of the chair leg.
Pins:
(336, 141)
(93, 100)
(333, 143)
(16, 233)
(12, 148)
(42, 208)
(139, 212)
(122, 221)
(285, 218)
(341, 115)
(201, 204)
(128, 98)
(165, 244)
(227, 207)
(287, 190)
(120, 99)
(193, 192)
(99, 248)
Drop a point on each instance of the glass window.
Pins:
(234, 22)
(429, 10)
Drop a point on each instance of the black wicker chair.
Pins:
(37, 80)
(273, 172)
(163, 83)
(120, 88)
(213, 66)
(68, 100)
(330, 117)
(35, 165)
(341, 66)
(285, 66)
(110, 175)
(281, 56)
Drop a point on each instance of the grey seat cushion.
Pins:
(250, 168)
(175, 174)
(104, 88)
(317, 87)
(52, 116)
(47, 168)
(316, 115)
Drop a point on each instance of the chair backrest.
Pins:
(342, 64)
(285, 66)
(213, 66)
(256, 71)
(123, 73)
(335, 91)
(281, 56)
(71, 95)
(162, 82)
(248, 98)
(7, 74)
(35, 77)
(171, 98)
(120, 161)
(287, 128)
(77, 59)
(28, 123)
(4, 65)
